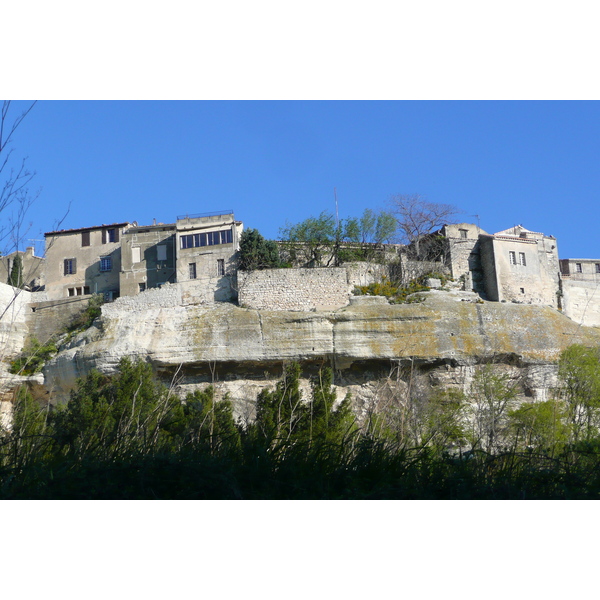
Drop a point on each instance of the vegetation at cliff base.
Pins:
(129, 436)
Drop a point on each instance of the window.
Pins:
(212, 238)
(597, 267)
(136, 254)
(161, 252)
(70, 266)
(522, 259)
(463, 233)
(105, 263)
(71, 291)
(86, 290)
(142, 286)
(522, 290)
(110, 235)
(220, 267)
(512, 258)
(578, 267)
(192, 270)
(85, 238)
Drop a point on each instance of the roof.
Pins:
(103, 226)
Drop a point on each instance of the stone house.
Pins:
(148, 256)
(199, 254)
(85, 261)
(520, 266)
(33, 268)
(124, 259)
(207, 246)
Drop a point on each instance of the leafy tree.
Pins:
(16, 273)
(492, 396)
(256, 252)
(540, 425)
(443, 420)
(320, 241)
(579, 387)
(313, 241)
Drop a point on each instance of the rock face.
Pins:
(442, 339)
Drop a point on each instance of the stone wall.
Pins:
(581, 301)
(47, 318)
(168, 296)
(294, 289)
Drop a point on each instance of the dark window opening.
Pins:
(85, 238)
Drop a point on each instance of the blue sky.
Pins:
(509, 162)
(531, 162)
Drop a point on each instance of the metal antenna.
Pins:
(337, 216)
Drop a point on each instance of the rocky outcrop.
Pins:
(443, 339)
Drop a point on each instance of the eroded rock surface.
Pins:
(442, 340)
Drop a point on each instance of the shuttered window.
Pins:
(70, 266)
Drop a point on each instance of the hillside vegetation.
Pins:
(128, 436)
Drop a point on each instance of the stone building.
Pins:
(85, 261)
(580, 283)
(148, 257)
(33, 268)
(521, 266)
(207, 246)
(198, 251)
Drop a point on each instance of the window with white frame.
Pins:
(212, 238)
(105, 263)
(578, 268)
(463, 233)
(512, 257)
(522, 259)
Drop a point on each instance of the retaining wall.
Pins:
(294, 289)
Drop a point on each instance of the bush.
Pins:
(33, 357)
(395, 293)
(85, 319)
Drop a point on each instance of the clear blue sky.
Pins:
(509, 162)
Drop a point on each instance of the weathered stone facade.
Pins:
(294, 289)
(148, 258)
(81, 262)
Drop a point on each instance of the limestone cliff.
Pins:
(443, 338)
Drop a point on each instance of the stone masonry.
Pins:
(294, 289)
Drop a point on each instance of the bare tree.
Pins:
(418, 217)
(15, 198)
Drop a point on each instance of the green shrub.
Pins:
(33, 357)
(395, 293)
